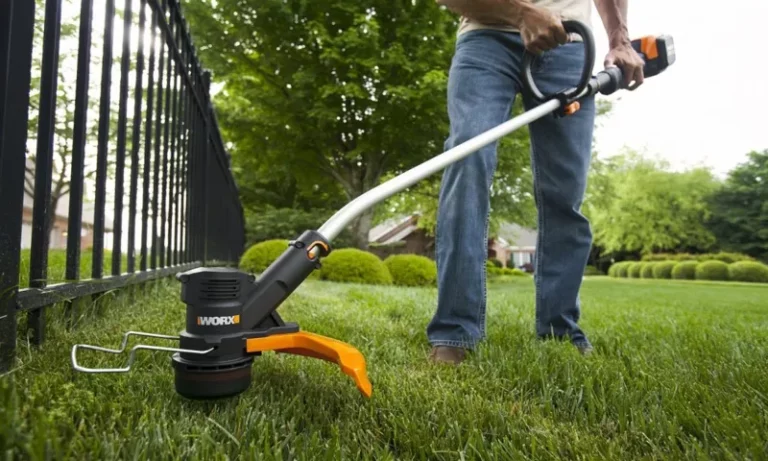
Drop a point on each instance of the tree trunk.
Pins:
(51, 217)
(360, 229)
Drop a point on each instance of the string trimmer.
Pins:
(231, 315)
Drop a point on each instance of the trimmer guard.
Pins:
(308, 344)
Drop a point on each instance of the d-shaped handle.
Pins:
(585, 33)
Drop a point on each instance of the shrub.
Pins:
(712, 270)
(646, 269)
(622, 269)
(635, 269)
(592, 270)
(352, 265)
(729, 258)
(514, 272)
(663, 269)
(493, 270)
(748, 271)
(411, 270)
(258, 257)
(496, 263)
(685, 270)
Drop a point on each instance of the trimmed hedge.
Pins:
(620, 269)
(411, 270)
(685, 270)
(646, 269)
(514, 272)
(663, 269)
(748, 271)
(351, 265)
(259, 256)
(592, 270)
(723, 256)
(635, 269)
(712, 270)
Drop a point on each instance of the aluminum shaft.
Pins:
(356, 207)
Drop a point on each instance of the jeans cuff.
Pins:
(452, 343)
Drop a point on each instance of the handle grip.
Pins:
(585, 33)
(609, 80)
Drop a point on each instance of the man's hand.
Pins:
(540, 29)
(626, 58)
(620, 54)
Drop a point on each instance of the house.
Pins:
(514, 246)
(58, 235)
(400, 236)
(518, 244)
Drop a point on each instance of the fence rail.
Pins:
(130, 153)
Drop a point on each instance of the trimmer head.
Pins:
(231, 319)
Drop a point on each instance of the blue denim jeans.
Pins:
(484, 79)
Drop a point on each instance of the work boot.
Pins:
(447, 354)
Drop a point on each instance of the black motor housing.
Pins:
(225, 306)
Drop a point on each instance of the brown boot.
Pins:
(447, 354)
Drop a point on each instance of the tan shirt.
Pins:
(579, 10)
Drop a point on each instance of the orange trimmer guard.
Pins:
(308, 344)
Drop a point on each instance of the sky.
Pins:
(709, 107)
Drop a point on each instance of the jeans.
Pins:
(484, 79)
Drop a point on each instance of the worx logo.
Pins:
(219, 321)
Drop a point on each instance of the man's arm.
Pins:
(540, 29)
(507, 12)
(621, 54)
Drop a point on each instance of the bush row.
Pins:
(739, 271)
(351, 265)
(721, 256)
(494, 269)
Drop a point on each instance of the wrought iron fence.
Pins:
(107, 133)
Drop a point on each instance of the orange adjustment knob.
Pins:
(572, 108)
(307, 344)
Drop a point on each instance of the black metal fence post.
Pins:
(38, 264)
(189, 212)
(16, 34)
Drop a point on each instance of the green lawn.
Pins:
(680, 372)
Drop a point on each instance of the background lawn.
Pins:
(679, 372)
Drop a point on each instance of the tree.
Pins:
(740, 208)
(327, 96)
(636, 204)
(511, 191)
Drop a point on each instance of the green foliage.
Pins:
(513, 271)
(646, 270)
(288, 224)
(620, 269)
(411, 270)
(635, 269)
(327, 97)
(351, 265)
(721, 256)
(592, 270)
(685, 270)
(712, 270)
(259, 256)
(663, 269)
(637, 204)
(511, 190)
(740, 208)
(748, 271)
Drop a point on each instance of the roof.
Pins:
(518, 236)
(393, 230)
